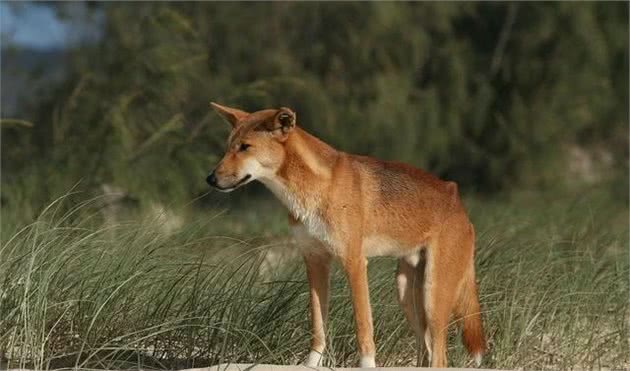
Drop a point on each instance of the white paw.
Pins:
(314, 359)
(367, 362)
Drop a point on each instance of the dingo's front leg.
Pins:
(356, 270)
(318, 272)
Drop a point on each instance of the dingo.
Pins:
(351, 207)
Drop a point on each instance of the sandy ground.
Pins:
(251, 367)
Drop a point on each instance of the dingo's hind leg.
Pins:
(410, 283)
(448, 259)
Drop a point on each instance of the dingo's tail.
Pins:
(469, 312)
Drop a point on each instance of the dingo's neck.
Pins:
(304, 177)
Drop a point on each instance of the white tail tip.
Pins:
(477, 358)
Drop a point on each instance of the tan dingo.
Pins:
(350, 207)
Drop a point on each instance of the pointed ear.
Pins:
(285, 119)
(230, 115)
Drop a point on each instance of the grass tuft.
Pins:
(76, 292)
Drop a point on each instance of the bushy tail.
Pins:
(469, 313)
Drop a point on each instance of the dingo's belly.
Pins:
(383, 245)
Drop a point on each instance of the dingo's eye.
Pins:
(244, 147)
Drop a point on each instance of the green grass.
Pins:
(74, 292)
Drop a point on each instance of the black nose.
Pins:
(211, 179)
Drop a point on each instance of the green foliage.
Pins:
(487, 94)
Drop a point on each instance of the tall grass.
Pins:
(74, 292)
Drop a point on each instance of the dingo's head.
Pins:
(255, 147)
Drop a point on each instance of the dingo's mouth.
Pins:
(233, 187)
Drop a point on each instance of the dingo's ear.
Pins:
(285, 120)
(230, 115)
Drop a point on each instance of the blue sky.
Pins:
(36, 26)
(31, 25)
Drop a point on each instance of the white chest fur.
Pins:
(304, 209)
